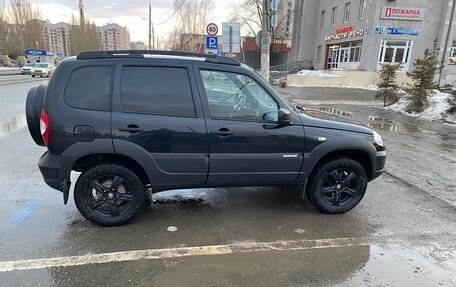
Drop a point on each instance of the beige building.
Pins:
(57, 38)
(114, 37)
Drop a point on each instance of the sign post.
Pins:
(211, 39)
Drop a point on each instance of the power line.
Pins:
(172, 15)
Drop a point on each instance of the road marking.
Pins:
(150, 254)
(24, 211)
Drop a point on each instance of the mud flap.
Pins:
(65, 188)
(301, 189)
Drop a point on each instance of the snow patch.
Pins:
(8, 69)
(436, 110)
(320, 74)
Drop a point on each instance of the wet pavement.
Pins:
(401, 234)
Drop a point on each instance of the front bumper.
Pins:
(380, 161)
(55, 170)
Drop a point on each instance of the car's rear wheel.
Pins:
(337, 185)
(109, 195)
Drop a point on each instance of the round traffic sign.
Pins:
(212, 29)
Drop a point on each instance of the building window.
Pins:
(347, 12)
(333, 16)
(362, 7)
(322, 19)
(395, 51)
(318, 54)
(453, 55)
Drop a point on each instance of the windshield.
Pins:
(29, 65)
(41, 65)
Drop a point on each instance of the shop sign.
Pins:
(396, 31)
(344, 35)
(402, 13)
(344, 29)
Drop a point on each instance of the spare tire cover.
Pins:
(33, 107)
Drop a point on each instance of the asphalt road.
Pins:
(401, 234)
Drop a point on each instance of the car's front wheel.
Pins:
(109, 194)
(337, 185)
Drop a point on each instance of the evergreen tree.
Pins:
(387, 86)
(452, 102)
(423, 81)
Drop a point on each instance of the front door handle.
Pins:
(131, 129)
(224, 133)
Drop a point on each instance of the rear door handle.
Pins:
(131, 129)
(224, 133)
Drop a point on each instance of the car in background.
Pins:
(26, 69)
(42, 70)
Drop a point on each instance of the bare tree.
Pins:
(27, 26)
(191, 19)
(3, 28)
(249, 13)
(83, 36)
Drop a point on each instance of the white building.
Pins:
(138, 45)
(57, 38)
(114, 37)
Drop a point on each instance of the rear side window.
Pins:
(156, 90)
(89, 88)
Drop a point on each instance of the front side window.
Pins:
(347, 12)
(89, 88)
(156, 90)
(238, 97)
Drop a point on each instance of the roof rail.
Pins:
(140, 54)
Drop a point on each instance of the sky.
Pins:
(126, 13)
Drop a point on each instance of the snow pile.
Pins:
(320, 74)
(436, 110)
(8, 69)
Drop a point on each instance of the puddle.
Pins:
(335, 111)
(395, 265)
(380, 123)
(14, 124)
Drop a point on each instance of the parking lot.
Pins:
(401, 234)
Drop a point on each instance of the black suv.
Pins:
(138, 121)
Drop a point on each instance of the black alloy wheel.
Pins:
(337, 185)
(109, 195)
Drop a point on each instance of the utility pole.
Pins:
(444, 56)
(266, 42)
(150, 26)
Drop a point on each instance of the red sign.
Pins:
(401, 13)
(344, 29)
(211, 29)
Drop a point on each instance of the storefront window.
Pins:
(343, 55)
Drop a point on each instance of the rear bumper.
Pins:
(380, 161)
(55, 170)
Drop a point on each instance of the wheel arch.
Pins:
(90, 160)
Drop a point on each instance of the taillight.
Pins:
(44, 127)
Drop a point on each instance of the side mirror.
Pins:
(284, 117)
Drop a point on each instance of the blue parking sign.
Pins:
(211, 42)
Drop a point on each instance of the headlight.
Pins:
(378, 139)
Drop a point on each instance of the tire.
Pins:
(106, 206)
(33, 76)
(337, 185)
